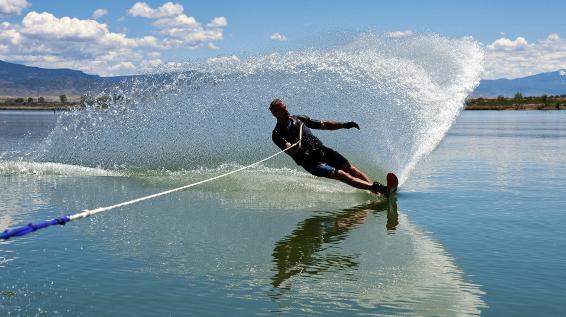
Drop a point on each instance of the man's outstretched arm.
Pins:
(333, 125)
(327, 125)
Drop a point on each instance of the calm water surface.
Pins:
(478, 229)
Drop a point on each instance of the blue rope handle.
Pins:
(22, 231)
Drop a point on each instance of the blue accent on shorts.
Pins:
(324, 165)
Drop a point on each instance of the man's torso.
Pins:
(310, 144)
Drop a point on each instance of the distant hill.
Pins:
(24, 81)
(553, 83)
(20, 80)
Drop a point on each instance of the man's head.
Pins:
(279, 110)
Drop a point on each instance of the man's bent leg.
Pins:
(354, 171)
(337, 160)
(351, 180)
(325, 170)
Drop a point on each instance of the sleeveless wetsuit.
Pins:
(313, 156)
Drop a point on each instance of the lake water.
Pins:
(477, 229)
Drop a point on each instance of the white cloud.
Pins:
(153, 62)
(152, 65)
(121, 67)
(398, 34)
(121, 40)
(9, 34)
(507, 58)
(505, 43)
(172, 65)
(154, 55)
(178, 29)
(212, 46)
(278, 37)
(98, 13)
(9, 7)
(45, 40)
(224, 60)
(218, 22)
(45, 25)
(193, 35)
(178, 21)
(142, 9)
(553, 37)
(48, 27)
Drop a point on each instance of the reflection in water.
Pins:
(209, 252)
(357, 269)
(392, 215)
(301, 251)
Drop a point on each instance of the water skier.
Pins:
(312, 155)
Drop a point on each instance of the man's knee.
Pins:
(347, 167)
(339, 174)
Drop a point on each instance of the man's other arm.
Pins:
(333, 125)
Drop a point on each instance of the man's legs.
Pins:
(351, 180)
(355, 177)
(339, 162)
(324, 170)
(354, 171)
(337, 167)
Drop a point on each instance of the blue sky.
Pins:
(124, 37)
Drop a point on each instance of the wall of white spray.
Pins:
(404, 92)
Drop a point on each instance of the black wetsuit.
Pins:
(313, 156)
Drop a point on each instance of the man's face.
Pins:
(280, 112)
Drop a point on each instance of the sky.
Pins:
(122, 37)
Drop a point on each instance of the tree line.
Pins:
(62, 99)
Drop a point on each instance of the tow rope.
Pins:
(21, 231)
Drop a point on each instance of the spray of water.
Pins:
(404, 92)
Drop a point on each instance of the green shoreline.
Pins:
(533, 107)
(58, 107)
(518, 102)
(468, 108)
(500, 103)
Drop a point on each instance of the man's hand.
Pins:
(351, 124)
(292, 149)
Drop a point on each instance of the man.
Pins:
(311, 154)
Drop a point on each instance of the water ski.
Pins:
(392, 183)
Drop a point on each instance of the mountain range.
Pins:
(23, 81)
(551, 83)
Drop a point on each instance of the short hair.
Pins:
(276, 102)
